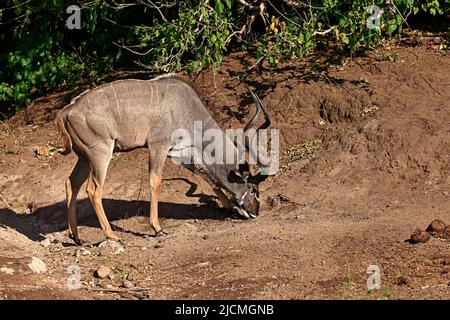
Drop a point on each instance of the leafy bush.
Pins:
(39, 54)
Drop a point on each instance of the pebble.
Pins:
(45, 243)
(402, 280)
(103, 272)
(203, 264)
(7, 270)
(127, 284)
(436, 225)
(130, 276)
(110, 247)
(37, 265)
(420, 236)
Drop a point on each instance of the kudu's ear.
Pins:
(244, 171)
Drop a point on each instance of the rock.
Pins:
(103, 272)
(443, 234)
(109, 287)
(205, 237)
(436, 225)
(142, 295)
(419, 236)
(82, 252)
(127, 284)
(273, 201)
(203, 264)
(85, 252)
(130, 276)
(158, 246)
(402, 280)
(7, 270)
(447, 229)
(45, 243)
(37, 265)
(110, 247)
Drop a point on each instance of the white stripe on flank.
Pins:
(117, 102)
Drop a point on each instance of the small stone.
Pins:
(85, 252)
(203, 264)
(447, 229)
(31, 207)
(37, 265)
(273, 201)
(419, 236)
(144, 248)
(402, 281)
(158, 246)
(110, 247)
(45, 243)
(7, 270)
(436, 225)
(205, 237)
(109, 287)
(130, 276)
(103, 272)
(142, 295)
(127, 284)
(444, 234)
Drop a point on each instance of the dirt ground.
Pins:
(365, 161)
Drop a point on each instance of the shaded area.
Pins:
(52, 218)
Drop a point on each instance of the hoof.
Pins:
(161, 234)
(77, 240)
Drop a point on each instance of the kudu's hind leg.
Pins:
(73, 184)
(157, 158)
(99, 168)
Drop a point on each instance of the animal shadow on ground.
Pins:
(53, 217)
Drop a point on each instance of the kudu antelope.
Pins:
(129, 114)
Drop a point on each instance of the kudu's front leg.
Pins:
(158, 155)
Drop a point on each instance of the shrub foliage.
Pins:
(38, 53)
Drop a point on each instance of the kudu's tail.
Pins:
(61, 123)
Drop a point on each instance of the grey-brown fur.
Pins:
(128, 114)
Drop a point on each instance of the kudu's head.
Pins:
(246, 177)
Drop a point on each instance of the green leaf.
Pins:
(259, 53)
(228, 3)
(219, 6)
(391, 26)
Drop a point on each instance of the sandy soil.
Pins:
(366, 161)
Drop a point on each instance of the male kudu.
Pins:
(129, 114)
